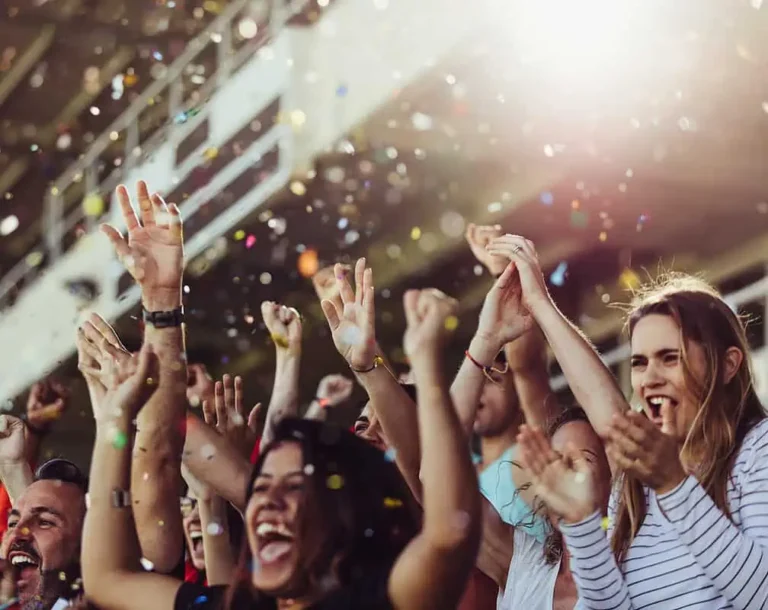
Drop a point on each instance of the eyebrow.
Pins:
(266, 475)
(660, 353)
(37, 510)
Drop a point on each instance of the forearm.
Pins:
(215, 463)
(284, 401)
(110, 547)
(468, 384)
(592, 383)
(16, 477)
(156, 477)
(219, 559)
(537, 400)
(398, 416)
(450, 497)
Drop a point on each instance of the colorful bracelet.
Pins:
(487, 370)
(279, 340)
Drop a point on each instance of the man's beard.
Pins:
(64, 583)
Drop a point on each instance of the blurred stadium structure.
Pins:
(623, 138)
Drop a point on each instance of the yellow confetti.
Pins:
(210, 153)
(298, 188)
(392, 502)
(629, 279)
(605, 523)
(415, 233)
(335, 482)
(451, 323)
(93, 205)
(239, 235)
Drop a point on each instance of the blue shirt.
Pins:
(498, 487)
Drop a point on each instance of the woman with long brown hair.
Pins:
(688, 526)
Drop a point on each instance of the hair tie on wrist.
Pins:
(487, 370)
(377, 360)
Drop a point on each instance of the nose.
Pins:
(652, 378)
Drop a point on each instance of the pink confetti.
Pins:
(250, 241)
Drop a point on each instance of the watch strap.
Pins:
(164, 319)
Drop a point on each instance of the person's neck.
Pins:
(493, 447)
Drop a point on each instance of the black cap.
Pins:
(59, 469)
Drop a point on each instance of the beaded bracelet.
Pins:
(487, 370)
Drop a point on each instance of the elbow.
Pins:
(459, 531)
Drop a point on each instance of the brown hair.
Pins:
(356, 516)
(727, 412)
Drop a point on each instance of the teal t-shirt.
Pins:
(498, 487)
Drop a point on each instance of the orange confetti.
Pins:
(308, 263)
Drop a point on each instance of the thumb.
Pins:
(329, 309)
(668, 425)
(253, 418)
(506, 276)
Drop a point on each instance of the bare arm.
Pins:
(354, 335)
(284, 326)
(112, 574)
(153, 254)
(433, 569)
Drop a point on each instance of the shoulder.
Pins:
(753, 452)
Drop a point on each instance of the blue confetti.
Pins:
(547, 198)
(558, 275)
(390, 454)
(200, 600)
(341, 90)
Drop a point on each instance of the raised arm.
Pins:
(284, 326)
(15, 472)
(354, 335)
(433, 569)
(153, 254)
(502, 319)
(112, 575)
(332, 391)
(591, 382)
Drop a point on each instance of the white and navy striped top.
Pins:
(687, 554)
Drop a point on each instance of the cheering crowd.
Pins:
(603, 504)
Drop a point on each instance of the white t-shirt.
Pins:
(531, 581)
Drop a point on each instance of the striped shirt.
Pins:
(687, 554)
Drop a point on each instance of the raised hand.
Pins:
(47, 401)
(334, 390)
(12, 440)
(200, 385)
(353, 328)
(564, 482)
(527, 268)
(226, 415)
(283, 324)
(478, 238)
(100, 354)
(134, 380)
(427, 313)
(153, 251)
(635, 444)
(503, 317)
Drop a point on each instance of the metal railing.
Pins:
(56, 222)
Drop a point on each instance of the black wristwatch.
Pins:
(164, 319)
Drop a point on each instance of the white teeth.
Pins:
(22, 559)
(277, 528)
(196, 536)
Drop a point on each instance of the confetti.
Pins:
(558, 275)
(147, 564)
(392, 502)
(390, 454)
(309, 470)
(119, 439)
(605, 523)
(308, 263)
(250, 241)
(451, 323)
(214, 529)
(335, 482)
(547, 198)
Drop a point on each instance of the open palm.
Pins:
(504, 318)
(353, 328)
(153, 252)
(564, 482)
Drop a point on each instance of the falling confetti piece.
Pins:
(451, 323)
(629, 279)
(207, 451)
(308, 263)
(341, 90)
(147, 564)
(335, 482)
(309, 470)
(214, 529)
(119, 439)
(558, 275)
(390, 454)
(239, 235)
(250, 241)
(605, 523)
(547, 198)
(415, 233)
(392, 502)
